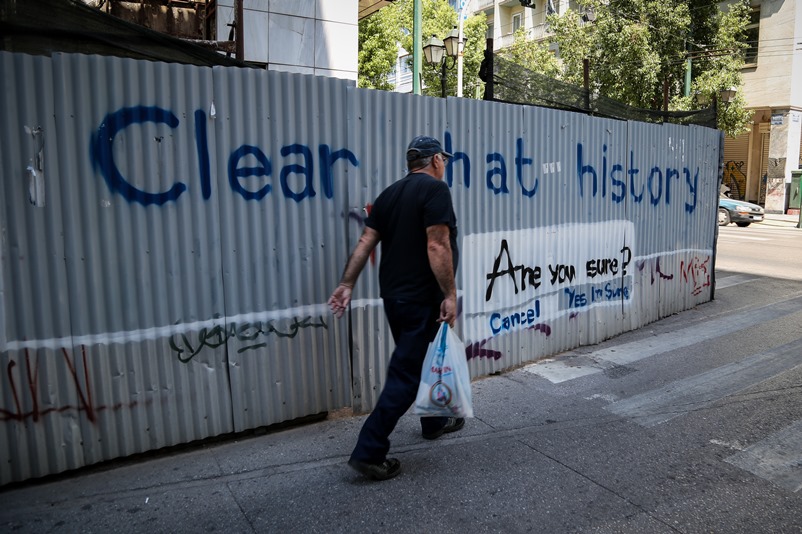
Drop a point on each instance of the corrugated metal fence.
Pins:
(170, 235)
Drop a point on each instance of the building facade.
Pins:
(317, 37)
(758, 164)
(506, 17)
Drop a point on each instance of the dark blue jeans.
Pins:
(414, 326)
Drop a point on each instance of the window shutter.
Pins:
(736, 157)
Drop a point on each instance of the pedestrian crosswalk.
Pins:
(777, 457)
(701, 391)
(560, 370)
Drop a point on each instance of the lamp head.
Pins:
(433, 50)
(452, 43)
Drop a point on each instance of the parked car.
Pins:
(737, 211)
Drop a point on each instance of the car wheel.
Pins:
(743, 224)
(723, 217)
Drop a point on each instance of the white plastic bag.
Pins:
(445, 384)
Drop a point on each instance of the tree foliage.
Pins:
(718, 66)
(377, 51)
(634, 47)
(381, 33)
(533, 56)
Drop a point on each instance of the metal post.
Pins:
(443, 79)
(461, 46)
(239, 21)
(688, 71)
(586, 82)
(417, 46)
(487, 69)
(715, 107)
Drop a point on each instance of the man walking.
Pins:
(414, 221)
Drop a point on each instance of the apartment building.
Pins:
(505, 17)
(758, 163)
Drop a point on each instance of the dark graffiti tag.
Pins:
(558, 273)
(250, 334)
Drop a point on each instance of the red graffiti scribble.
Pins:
(86, 400)
(475, 350)
(541, 327)
(85, 405)
(697, 273)
(655, 268)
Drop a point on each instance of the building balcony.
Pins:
(536, 33)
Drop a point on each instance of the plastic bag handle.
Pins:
(441, 350)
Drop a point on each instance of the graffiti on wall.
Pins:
(245, 163)
(250, 170)
(251, 335)
(734, 177)
(529, 277)
(31, 399)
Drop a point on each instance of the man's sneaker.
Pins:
(452, 425)
(387, 469)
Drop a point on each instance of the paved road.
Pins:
(692, 424)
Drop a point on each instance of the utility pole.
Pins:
(461, 46)
(417, 46)
(239, 28)
(586, 82)
(688, 71)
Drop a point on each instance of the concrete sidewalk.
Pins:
(545, 456)
(297, 480)
(540, 457)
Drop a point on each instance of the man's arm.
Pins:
(442, 264)
(341, 297)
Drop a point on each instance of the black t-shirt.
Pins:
(401, 215)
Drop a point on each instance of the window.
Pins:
(752, 37)
(516, 22)
(489, 34)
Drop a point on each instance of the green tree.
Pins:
(718, 66)
(378, 35)
(381, 33)
(634, 47)
(532, 55)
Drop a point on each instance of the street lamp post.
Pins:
(437, 52)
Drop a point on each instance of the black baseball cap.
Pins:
(424, 146)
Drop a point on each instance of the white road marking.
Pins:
(556, 371)
(743, 237)
(735, 445)
(734, 280)
(700, 391)
(634, 351)
(778, 458)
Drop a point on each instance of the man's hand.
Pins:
(448, 311)
(339, 300)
